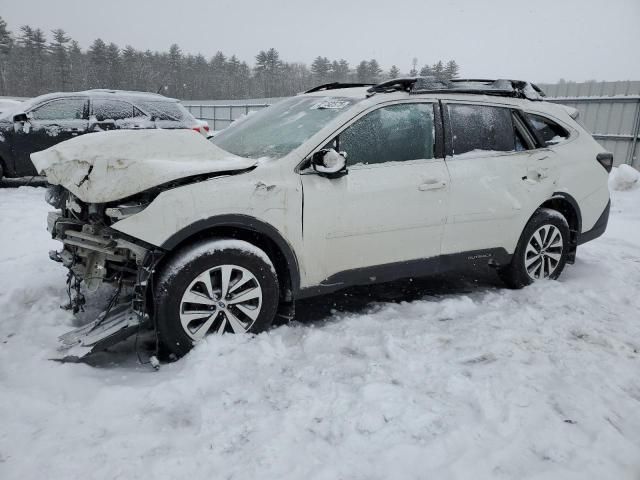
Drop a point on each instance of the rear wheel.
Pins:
(218, 287)
(541, 252)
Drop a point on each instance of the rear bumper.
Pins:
(599, 227)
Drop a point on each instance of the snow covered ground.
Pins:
(465, 380)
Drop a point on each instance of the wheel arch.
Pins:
(568, 206)
(249, 229)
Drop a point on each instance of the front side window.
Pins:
(112, 110)
(547, 130)
(483, 128)
(63, 109)
(390, 134)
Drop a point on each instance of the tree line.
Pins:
(32, 64)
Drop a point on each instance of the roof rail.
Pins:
(500, 87)
(409, 84)
(521, 86)
(337, 85)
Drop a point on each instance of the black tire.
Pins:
(515, 274)
(183, 269)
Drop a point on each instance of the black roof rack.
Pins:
(337, 85)
(500, 87)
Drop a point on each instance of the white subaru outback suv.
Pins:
(342, 185)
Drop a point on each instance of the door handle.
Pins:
(432, 185)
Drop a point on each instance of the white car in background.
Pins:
(332, 188)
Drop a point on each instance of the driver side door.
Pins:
(48, 124)
(384, 218)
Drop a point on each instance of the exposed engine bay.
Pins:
(95, 254)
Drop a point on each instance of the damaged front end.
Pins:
(96, 256)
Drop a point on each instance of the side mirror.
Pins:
(329, 163)
(20, 117)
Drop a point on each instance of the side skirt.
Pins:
(472, 261)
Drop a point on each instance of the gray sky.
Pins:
(540, 40)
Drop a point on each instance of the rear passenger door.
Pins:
(108, 114)
(495, 187)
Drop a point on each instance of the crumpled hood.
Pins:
(107, 166)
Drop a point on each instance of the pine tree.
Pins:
(97, 67)
(174, 61)
(268, 71)
(374, 70)
(77, 67)
(362, 72)
(114, 67)
(321, 68)
(130, 68)
(426, 71)
(29, 66)
(438, 70)
(340, 70)
(451, 70)
(60, 63)
(39, 58)
(6, 46)
(219, 75)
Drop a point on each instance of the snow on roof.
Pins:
(98, 93)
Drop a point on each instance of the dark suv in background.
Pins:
(44, 121)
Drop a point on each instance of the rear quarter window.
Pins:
(172, 111)
(547, 131)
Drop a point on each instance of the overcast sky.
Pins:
(540, 40)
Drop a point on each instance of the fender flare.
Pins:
(574, 204)
(243, 222)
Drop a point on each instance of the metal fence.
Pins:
(610, 110)
(220, 116)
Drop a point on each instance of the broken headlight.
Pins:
(125, 210)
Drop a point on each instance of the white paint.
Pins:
(108, 166)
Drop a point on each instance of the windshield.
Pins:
(281, 128)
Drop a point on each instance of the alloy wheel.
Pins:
(225, 298)
(544, 252)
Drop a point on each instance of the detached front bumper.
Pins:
(97, 255)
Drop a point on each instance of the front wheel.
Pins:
(214, 287)
(541, 252)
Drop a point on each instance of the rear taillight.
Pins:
(606, 160)
(200, 128)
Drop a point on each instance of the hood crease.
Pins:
(107, 166)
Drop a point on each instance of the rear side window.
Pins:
(112, 110)
(480, 127)
(390, 134)
(548, 131)
(63, 109)
(160, 110)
